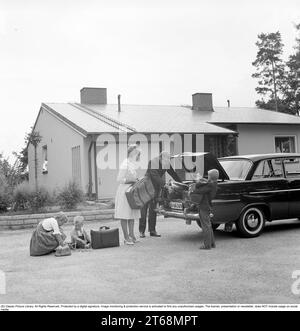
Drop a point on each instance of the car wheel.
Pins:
(214, 225)
(251, 222)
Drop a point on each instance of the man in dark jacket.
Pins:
(208, 192)
(156, 169)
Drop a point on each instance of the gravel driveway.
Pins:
(170, 269)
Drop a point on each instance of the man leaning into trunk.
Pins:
(156, 169)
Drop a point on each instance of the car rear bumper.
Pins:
(178, 214)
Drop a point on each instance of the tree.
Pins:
(10, 177)
(270, 71)
(34, 138)
(22, 158)
(292, 91)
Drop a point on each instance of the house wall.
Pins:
(107, 178)
(257, 139)
(59, 139)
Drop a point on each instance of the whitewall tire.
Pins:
(251, 222)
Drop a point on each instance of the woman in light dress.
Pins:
(126, 177)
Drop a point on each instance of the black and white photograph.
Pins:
(150, 156)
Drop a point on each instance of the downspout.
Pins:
(95, 169)
(90, 187)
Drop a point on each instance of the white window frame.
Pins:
(286, 136)
(45, 159)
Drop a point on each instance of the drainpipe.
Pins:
(95, 169)
(119, 103)
(90, 187)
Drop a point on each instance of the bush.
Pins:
(25, 197)
(5, 199)
(40, 199)
(70, 196)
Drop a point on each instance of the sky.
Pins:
(149, 51)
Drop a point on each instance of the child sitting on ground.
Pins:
(79, 237)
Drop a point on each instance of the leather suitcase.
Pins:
(105, 237)
(140, 193)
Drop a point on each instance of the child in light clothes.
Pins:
(79, 237)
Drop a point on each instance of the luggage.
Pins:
(177, 190)
(63, 251)
(140, 193)
(197, 197)
(105, 237)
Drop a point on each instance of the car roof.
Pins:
(258, 157)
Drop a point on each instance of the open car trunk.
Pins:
(209, 162)
(173, 203)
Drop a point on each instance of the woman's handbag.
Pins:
(140, 193)
(63, 251)
(105, 237)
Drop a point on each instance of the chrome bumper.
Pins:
(178, 214)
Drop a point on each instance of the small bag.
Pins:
(63, 251)
(140, 193)
(193, 195)
(105, 237)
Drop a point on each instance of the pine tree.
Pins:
(292, 91)
(270, 71)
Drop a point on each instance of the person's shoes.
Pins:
(128, 242)
(142, 235)
(134, 240)
(154, 234)
(228, 227)
(204, 247)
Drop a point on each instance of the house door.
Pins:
(220, 145)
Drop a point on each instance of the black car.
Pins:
(252, 189)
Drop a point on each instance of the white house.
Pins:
(70, 135)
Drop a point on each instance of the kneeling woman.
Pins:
(48, 235)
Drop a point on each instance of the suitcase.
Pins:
(105, 237)
(140, 193)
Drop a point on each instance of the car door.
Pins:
(292, 173)
(269, 185)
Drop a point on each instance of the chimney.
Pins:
(93, 96)
(202, 102)
(119, 102)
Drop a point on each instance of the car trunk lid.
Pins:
(210, 162)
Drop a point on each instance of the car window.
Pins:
(269, 169)
(236, 169)
(292, 167)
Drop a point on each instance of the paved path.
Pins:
(170, 269)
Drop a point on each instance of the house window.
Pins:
(45, 159)
(285, 144)
(216, 145)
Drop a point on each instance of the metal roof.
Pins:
(163, 119)
(246, 115)
(133, 118)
